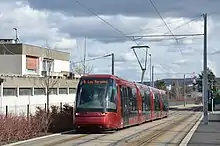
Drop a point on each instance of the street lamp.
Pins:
(113, 62)
(145, 65)
(92, 59)
(16, 35)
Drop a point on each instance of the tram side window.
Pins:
(166, 103)
(124, 103)
(163, 100)
(134, 103)
(157, 103)
(143, 100)
(112, 96)
(125, 93)
(147, 100)
(130, 101)
(122, 98)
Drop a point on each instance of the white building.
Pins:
(22, 69)
(18, 92)
(22, 59)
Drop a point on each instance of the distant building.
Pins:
(7, 41)
(28, 60)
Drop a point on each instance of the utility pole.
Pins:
(152, 76)
(205, 75)
(113, 64)
(184, 88)
(84, 59)
(150, 69)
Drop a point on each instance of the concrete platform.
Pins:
(184, 107)
(207, 135)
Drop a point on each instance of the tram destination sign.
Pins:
(94, 81)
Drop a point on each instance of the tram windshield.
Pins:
(96, 94)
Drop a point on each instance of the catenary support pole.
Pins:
(84, 58)
(113, 64)
(150, 69)
(152, 76)
(184, 89)
(205, 76)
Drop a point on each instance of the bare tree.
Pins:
(48, 82)
(175, 90)
(80, 68)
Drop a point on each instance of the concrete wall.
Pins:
(11, 64)
(43, 52)
(13, 59)
(18, 105)
(33, 51)
(17, 102)
(175, 102)
(60, 65)
(23, 82)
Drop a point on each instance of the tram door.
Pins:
(124, 105)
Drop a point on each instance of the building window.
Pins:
(25, 91)
(39, 91)
(72, 90)
(48, 65)
(53, 91)
(62, 90)
(31, 63)
(9, 91)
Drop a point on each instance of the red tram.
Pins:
(109, 102)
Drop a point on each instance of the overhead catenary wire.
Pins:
(92, 59)
(158, 26)
(166, 25)
(162, 35)
(193, 19)
(188, 22)
(116, 29)
(109, 24)
(123, 34)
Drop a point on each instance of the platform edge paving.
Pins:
(37, 138)
(187, 138)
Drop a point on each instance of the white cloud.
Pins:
(180, 62)
(65, 32)
(66, 43)
(213, 66)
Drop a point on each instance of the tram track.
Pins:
(140, 138)
(148, 139)
(188, 127)
(93, 136)
(79, 136)
(85, 139)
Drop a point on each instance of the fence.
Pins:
(28, 109)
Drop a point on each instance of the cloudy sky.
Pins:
(63, 25)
